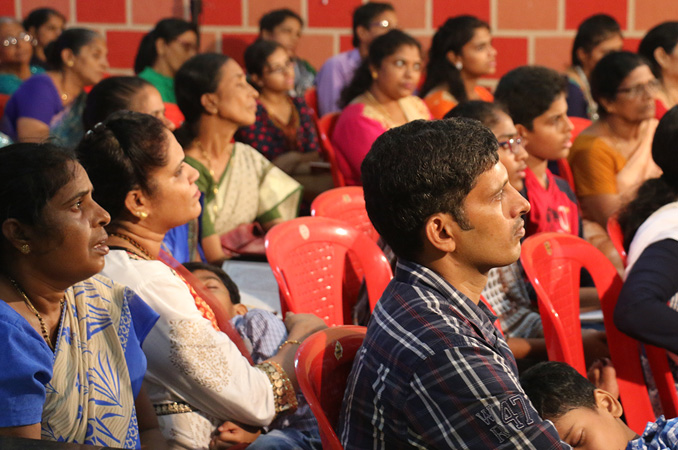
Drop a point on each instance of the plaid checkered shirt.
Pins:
(433, 372)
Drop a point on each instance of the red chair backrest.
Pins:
(174, 114)
(552, 262)
(325, 128)
(322, 365)
(309, 258)
(580, 124)
(345, 203)
(311, 99)
(4, 98)
(617, 237)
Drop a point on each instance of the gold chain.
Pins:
(382, 108)
(136, 245)
(30, 306)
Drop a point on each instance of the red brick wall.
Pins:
(526, 31)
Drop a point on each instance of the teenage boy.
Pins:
(369, 21)
(590, 418)
(535, 99)
(433, 371)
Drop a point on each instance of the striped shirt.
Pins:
(433, 372)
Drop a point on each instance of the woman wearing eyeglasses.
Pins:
(660, 47)
(284, 131)
(612, 157)
(379, 98)
(16, 50)
(51, 104)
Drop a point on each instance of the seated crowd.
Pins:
(123, 197)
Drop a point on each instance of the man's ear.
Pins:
(523, 132)
(137, 203)
(438, 231)
(17, 234)
(606, 402)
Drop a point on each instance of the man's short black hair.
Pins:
(485, 112)
(528, 92)
(420, 169)
(365, 14)
(231, 287)
(554, 388)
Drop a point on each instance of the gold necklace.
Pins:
(30, 306)
(206, 157)
(136, 245)
(382, 108)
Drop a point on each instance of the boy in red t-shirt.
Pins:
(535, 98)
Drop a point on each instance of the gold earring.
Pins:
(142, 215)
(25, 249)
(69, 63)
(375, 75)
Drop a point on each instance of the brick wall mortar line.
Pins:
(561, 15)
(428, 15)
(494, 16)
(17, 10)
(530, 49)
(631, 15)
(128, 12)
(245, 12)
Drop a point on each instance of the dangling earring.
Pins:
(459, 65)
(25, 249)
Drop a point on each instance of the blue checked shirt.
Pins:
(659, 435)
(433, 372)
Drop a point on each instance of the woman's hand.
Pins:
(231, 433)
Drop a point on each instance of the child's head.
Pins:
(512, 154)
(584, 416)
(220, 285)
(535, 98)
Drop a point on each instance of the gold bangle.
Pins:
(284, 397)
(289, 341)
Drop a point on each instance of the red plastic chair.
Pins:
(174, 114)
(580, 124)
(617, 237)
(323, 363)
(309, 257)
(345, 203)
(4, 98)
(325, 128)
(552, 262)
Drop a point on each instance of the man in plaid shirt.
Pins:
(433, 371)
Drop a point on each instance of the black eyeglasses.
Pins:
(512, 144)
